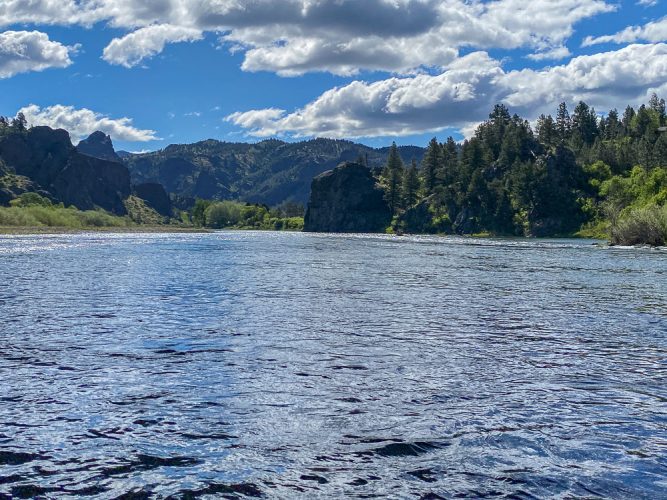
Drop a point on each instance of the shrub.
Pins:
(641, 226)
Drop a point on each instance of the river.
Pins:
(291, 365)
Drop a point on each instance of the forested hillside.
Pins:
(269, 172)
(573, 171)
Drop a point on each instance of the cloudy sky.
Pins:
(156, 72)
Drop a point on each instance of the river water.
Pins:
(289, 365)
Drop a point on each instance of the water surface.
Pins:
(247, 364)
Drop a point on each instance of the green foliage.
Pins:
(42, 215)
(577, 174)
(29, 200)
(392, 179)
(235, 215)
(646, 226)
(199, 212)
(140, 213)
(410, 187)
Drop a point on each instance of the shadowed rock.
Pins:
(347, 200)
(53, 166)
(99, 145)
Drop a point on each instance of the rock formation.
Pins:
(347, 200)
(51, 165)
(155, 197)
(99, 145)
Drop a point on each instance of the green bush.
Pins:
(232, 214)
(641, 226)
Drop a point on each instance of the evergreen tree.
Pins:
(547, 133)
(584, 124)
(430, 166)
(563, 123)
(450, 156)
(628, 117)
(411, 186)
(658, 105)
(392, 178)
(20, 123)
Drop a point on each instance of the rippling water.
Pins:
(246, 364)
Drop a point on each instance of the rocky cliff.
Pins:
(155, 197)
(99, 145)
(46, 160)
(347, 200)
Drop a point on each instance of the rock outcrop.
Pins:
(347, 200)
(53, 166)
(99, 145)
(155, 197)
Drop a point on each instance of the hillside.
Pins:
(44, 161)
(269, 172)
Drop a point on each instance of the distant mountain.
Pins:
(124, 154)
(99, 145)
(269, 172)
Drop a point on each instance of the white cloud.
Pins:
(655, 31)
(131, 49)
(292, 37)
(23, 51)
(463, 94)
(396, 106)
(80, 123)
(552, 54)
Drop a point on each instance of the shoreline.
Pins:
(46, 230)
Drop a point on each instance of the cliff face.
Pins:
(155, 196)
(346, 200)
(47, 159)
(99, 145)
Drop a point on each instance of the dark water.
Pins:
(302, 366)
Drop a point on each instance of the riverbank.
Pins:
(39, 230)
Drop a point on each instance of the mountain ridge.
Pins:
(269, 171)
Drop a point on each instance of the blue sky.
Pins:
(180, 71)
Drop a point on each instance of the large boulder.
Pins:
(155, 197)
(99, 145)
(347, 199)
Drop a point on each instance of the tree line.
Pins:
(570, 171)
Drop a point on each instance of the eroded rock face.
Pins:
(54, 166)
(347, 200)
(155, 196)
(99, 145)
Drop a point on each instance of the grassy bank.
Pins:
(34, 214)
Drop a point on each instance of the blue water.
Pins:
(284, 365)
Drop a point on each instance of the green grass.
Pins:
(56, 216)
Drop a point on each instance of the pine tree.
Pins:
(411, 186)
(547, 133)
(563, 123)
(430, 166)
(450, 157)
(392, 178)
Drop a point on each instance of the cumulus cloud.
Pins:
(131, 49)
(82, 122)
(462, 95)
(395, 106)
(553, 54)
(23, 51)
(292, 37)
(655, 31)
